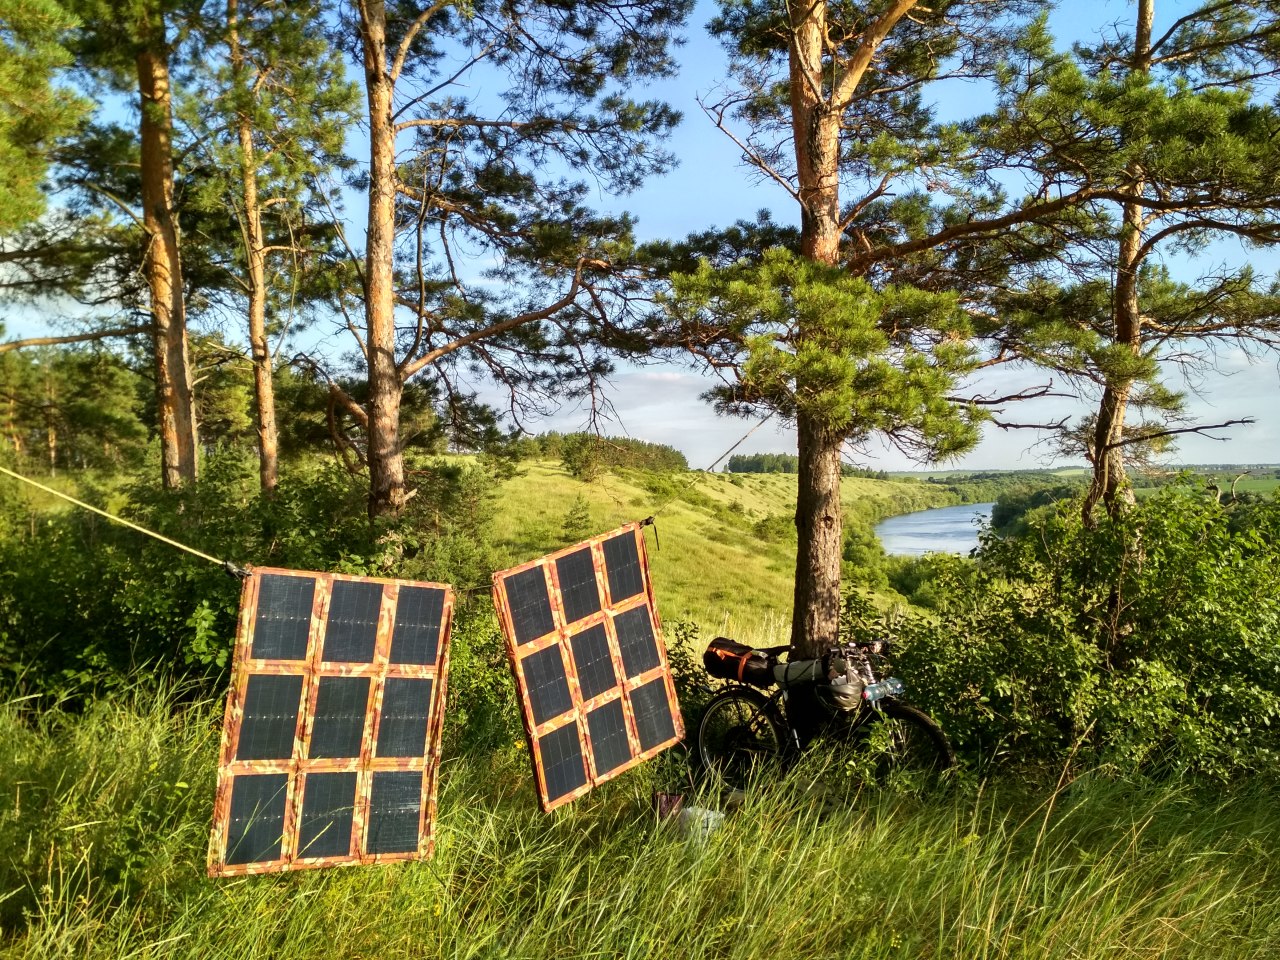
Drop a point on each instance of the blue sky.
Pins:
(712, 188)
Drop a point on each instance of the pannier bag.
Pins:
(730, 660)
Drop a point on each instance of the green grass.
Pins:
(708, 565)
(104, 819)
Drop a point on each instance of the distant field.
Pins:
(710, 565)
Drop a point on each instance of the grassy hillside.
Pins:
(724, 555)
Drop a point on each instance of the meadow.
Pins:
(724, 552)
(106, 817)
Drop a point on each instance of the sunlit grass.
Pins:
(708, 564)
(104, 819)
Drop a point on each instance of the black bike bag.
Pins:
(729, 660)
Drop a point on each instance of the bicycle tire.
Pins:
(738, 735)
(902, 741)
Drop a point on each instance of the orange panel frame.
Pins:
(296, 767)
(560, 636)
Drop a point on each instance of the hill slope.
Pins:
(724, 554)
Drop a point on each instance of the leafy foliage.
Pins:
(88, 603)
(1147, 644)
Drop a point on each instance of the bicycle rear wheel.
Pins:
(738, 735)
(899, 743)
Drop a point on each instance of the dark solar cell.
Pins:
(578, 588)
(622, 560)
(256, 822)
(607, 728)
(352, 631)
(406, 705)
(341, 703)
(395, 811)
(592, 662)
(636, 641)
(529, 604)
(270, 718)
(284, 617)
(653, 714)
(328, 807)
(562, 763)
(544, 679)
(416, 637)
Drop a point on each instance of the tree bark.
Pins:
(1109, 482)
(387, 493)
(162, 268)
(815, 623)
(815, 619)
(255, 251)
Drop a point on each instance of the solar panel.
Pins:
(331, 743)
(585, 644)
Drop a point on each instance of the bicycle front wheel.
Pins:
(900, 743)
(738, 736)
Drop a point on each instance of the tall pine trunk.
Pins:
(162, 268)
(1109, 482)
(256, 257)
(815, 619)
(386, 461)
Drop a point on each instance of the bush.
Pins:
(87, 602)
(1149, 643)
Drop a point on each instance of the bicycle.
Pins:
(848, 691)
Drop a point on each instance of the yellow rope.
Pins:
(133, 526)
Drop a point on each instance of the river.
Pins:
(944, 530)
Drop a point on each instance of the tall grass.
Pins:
(104, 819)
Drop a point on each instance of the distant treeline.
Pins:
(991, 485)
(586, 453)
(790, 463)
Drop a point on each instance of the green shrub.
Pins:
(1149, 643)
(88, 602)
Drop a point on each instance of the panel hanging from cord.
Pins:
(585, 644)
(331, 743)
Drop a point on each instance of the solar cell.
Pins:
(547, 684)
(284, 618)
(593, 661)
(256, 829)
(416, 637)
(271, 705)
(529, 605)
(330, 750)
(562, 766)
(351, 631)
(588, 662)
(338, 725)
(578, 590)
(654, 722)
(406, 708)
(328, 814)
(622, 560)
(395, 806)
(607, 730)
(635, 638)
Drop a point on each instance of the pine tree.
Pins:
(479, 245)
(270, 109)
(130, 43)
(1175, 117)
(891, 259)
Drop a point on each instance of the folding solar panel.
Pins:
(585, 643)
(331, 743)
